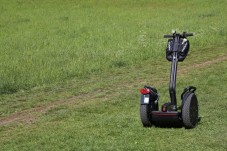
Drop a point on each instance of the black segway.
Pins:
(171, 115)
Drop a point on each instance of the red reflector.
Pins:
(144, 91)
(164, 109)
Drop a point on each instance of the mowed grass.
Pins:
(109, 119)
(103, 52)
(46, 42)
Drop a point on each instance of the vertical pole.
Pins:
(173, 73)
(172, 84)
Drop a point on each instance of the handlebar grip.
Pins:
(189, 34)
(168, 36)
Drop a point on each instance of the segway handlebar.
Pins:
(183, 35)
(188, 34)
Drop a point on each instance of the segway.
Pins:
(170, 114)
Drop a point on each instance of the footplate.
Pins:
(167, 119)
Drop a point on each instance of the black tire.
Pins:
(190, 111)
(146, 113)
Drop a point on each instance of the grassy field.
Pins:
(70, 72)
(46, 42)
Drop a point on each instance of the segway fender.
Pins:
(186, 90)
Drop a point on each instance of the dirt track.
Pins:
(28, 116)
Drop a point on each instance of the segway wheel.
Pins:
(146, 116)
(190, 111)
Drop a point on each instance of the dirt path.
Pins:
(203, 64)
(30, 115)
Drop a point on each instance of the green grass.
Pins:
(95, 56)
(44, 42)
(111, 121)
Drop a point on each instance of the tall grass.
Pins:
(44, 42)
